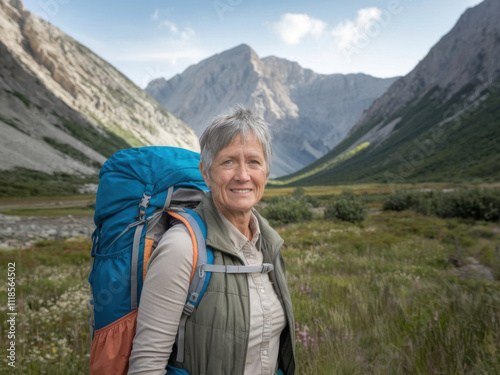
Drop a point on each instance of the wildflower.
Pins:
(304, 337)
(305, 289)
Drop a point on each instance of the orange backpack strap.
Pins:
(148, 249)
(196, 235)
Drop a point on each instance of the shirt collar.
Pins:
(236, 237)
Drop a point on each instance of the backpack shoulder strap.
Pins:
(198, 280)
(201, 255)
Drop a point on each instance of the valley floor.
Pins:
(401, 293)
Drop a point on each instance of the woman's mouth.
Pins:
(241, 191)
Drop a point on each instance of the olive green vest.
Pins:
(217, 332)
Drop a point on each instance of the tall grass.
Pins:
(383, 298)
(52, 330)
(375, 298)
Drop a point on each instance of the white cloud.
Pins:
(184, 35)
(292, 28)
(170, 26)
(349, 32)
(155, 15)
(187, 33)
(367, 15)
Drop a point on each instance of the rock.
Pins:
(473, 269)
(9, 219)
(88, 189)
(51, 232)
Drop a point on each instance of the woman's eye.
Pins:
(227, 162)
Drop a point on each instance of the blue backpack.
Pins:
(140, 190)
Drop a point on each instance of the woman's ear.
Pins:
(204, 174)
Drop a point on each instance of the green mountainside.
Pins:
(422, 147)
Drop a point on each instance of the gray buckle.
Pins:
(188, 309)
(143, 205)
(267, 267)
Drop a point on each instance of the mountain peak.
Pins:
(243, 47)
(304, 109)
(242, 50)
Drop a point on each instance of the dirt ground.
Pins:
(45, 203)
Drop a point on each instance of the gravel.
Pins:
(18, 232)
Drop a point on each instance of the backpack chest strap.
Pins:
(263, 268)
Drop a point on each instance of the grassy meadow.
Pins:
(399, 293)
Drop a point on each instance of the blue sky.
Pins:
(160, 38)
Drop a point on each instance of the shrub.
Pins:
(346, 207)
(473, 204)
(470, 204)
(298, 192)
(400, 200)
(287, 209)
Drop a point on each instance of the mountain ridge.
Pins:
(308, 112)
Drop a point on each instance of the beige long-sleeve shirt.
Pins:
(164, 295)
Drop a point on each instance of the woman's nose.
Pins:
(242, 172)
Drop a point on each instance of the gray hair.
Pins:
(226, 127)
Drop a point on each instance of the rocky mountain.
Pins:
(309, 113)
(65, 110)
(441, 122)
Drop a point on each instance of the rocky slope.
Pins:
(309, 113)
(64, 109)
(439, 123)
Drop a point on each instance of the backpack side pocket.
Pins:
(112, 345)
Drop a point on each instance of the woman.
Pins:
(244, 323)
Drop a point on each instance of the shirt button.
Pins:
(264, 352)
(262, 290)
(268, 321)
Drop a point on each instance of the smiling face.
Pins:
(237, 177)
